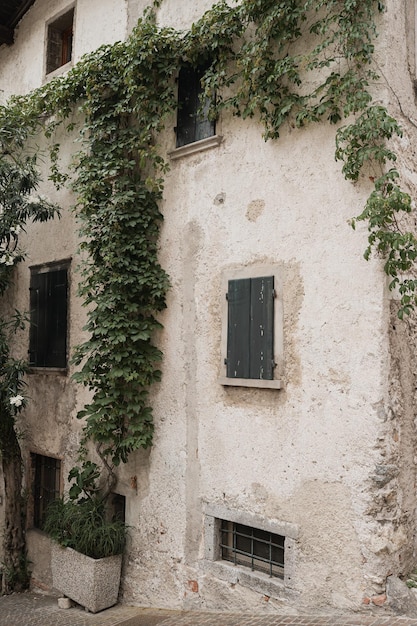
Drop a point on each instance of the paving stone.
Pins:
(29, 609)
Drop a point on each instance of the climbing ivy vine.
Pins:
(291, 61)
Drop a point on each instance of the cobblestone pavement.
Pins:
(30, 609)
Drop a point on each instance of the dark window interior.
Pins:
(117, 507)
(192, 118)
(46, 473)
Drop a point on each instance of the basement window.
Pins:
(247, 549)
(46, 472)
(260, 550)
(59, 41)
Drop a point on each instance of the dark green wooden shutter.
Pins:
(250, 330)
(238, 328)
(48, 319)
(262, 328)
(35, 339)
(56, 331)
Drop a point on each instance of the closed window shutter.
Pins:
(36, 325)
(262, 328)
(238, 328)
(48, 319)
(250, 331)
(56, 332)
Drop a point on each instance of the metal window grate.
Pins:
(258, 549)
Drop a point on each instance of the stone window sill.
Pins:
(62, 69)
(60, 371)
(196, 146)
(250, 382)
(256, 581)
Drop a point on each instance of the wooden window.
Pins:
(192, 118)
(46, 472)
(59, 44)
(48, 317)
(250, 328)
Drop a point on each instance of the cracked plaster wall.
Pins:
(332, 452)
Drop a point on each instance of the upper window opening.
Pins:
(48, 317)
(59, 45)
(193, 123)
(260, 550)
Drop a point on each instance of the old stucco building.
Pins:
(320, 458)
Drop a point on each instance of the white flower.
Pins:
(16, 400)
(7, 259)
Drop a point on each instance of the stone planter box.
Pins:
(92, 583)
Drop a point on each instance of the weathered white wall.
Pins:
(300, 454)
(95, 23)
(310, 455)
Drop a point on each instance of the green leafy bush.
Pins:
(84, 527)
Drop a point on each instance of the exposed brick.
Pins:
(193, 586)
(379, 600)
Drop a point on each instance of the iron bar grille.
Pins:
(258, 549)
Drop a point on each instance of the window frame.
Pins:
(67, 40)
(243, 545)
(256, 271)
(258, 581)
(39, 364)
(38, 464)
(191, 85)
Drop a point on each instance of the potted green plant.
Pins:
(87, 548)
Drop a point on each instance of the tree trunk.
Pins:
(15, 574)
